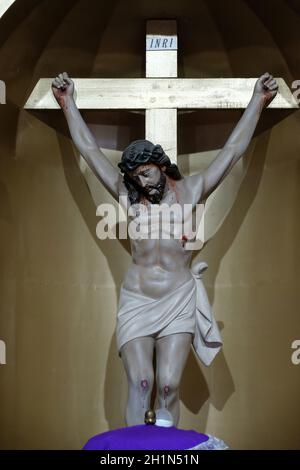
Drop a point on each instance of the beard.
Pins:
(158, 188)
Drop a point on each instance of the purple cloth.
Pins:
(146, 437)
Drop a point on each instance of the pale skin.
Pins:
(160, 265)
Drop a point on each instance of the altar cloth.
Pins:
(152, 437)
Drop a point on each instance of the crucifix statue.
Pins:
(163, 305)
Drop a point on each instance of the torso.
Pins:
(160, 265)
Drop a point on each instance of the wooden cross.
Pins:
(161, 93)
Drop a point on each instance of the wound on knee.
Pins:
(144, 384)
(166, 394)
(145, 388)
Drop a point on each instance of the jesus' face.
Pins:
(151, 180)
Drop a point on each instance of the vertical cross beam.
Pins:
(161, 61)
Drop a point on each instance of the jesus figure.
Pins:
(158, 298)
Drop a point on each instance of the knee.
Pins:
(167, 385)
(142, 382)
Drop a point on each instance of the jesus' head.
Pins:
(146, 168)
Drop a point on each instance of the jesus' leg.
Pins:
(171, 355)
(137, 356)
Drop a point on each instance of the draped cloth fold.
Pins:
(207, 340)
(184, 310)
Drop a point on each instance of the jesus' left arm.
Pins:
(205, 183)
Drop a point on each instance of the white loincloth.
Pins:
(185, 310)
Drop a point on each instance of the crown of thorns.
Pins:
(133, 157)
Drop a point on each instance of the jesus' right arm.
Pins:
(63, 90)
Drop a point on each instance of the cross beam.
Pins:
(149, 93)
(161, 93)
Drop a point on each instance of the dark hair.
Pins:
(141, 152)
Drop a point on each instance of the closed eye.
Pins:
(142, 173)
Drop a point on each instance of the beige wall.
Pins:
(59, 284)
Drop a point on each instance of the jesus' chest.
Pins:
(168, 220)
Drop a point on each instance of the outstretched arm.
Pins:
(63, 90)
(205, 183)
